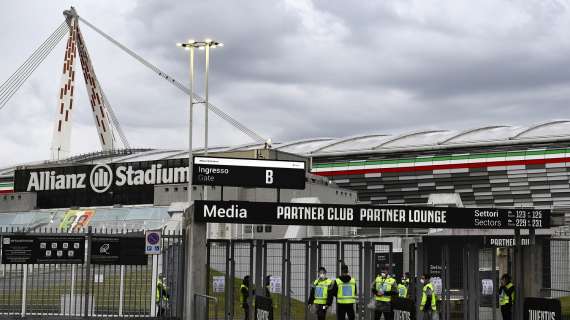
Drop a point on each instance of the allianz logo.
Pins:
(102, 177)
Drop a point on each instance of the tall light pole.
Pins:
(191, 45)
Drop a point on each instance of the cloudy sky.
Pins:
(294, 69)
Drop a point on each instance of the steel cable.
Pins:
(252, 134)
(11, 86)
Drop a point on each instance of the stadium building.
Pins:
(492, 166)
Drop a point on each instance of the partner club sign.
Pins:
(100, 184)
(245, 212)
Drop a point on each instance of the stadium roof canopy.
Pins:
(552, 131)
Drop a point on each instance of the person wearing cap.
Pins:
(320, 296)
(383, 289)
(344, 289)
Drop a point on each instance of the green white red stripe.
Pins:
(456, 161)
(6, 187)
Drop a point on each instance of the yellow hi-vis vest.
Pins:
(428, 291)
(160, 287)
(384, 285)
(346, 293)
(321, 290)
(243, 299)
(402, 291)
(507, 295)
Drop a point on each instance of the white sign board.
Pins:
(152, 242)
(437, 285)
(275, 284)
(218, 284)
(487, 287)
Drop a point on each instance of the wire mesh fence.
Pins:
(85, 288)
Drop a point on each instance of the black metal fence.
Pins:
(289, 267)
(90, 290)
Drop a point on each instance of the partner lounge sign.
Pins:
(245, 212)
(100, 184)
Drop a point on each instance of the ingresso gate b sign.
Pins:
(368, 215)
(248, 173)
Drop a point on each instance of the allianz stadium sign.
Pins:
(100, 184)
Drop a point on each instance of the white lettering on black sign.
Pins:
(402, 315)
(262, 315)
(353, 215)
(102, 177)
(541, 315)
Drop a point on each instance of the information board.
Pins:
(404, 309)
(18, 249)
(263, 308)
(117, 250)
(248, 173)
(541, 309)
(244, 212)
(505, 241)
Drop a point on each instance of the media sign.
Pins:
(248, 173)
(244, 212)
(42, 250)
(101, 184)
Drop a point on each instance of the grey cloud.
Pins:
(298, 69)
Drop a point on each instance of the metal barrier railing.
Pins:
(207, 299)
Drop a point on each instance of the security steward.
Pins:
(384, 288)
(243, 296)
(344, 289)
(403, 285)
(320, 296)
(506, 297)
(428, 304)
(162, 295)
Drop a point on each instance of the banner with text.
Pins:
(245, 212)
(248, 173)
(542, 309)
(404, 309)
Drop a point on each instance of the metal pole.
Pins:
(24, 289)
(190, 270)
(206, 71)
(122, 291)
(153, 285)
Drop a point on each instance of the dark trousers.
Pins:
(507, 312)
(161, 311)
(344, 310)
(388, 315)
(245, 308)
(321, 312)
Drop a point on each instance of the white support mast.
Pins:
(62, 132)
(98, 107)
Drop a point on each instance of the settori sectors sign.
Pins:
(248, 173)
(369, 215)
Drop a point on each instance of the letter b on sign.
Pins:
(268, 176)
